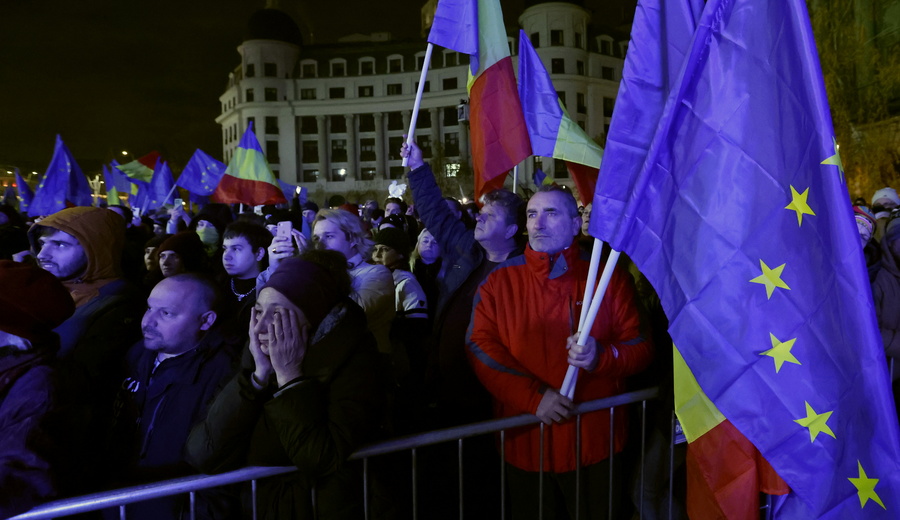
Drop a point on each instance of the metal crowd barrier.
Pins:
(190, 485)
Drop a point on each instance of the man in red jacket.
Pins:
(523, 338)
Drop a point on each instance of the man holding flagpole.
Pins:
(524, 321)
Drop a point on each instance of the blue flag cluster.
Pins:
(63, 184)
(722, 181)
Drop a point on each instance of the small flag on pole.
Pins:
(248, 179)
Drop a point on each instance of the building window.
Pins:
(367, 149)
(562, 98)
(394, 89)
(535, 39)
(336, 93)
(556, 38)
(451, 170)
(251, 70)
(420, 62)
(606, 47)
(310, 151)
(424, 142)
(607, 73)
(308, 69)
(426, 88)
(338, 124)
(310, 175)
(272, 152)
(558, 66)
(560, 170)
(395, 121)
(396, 172)
(366, 67)
(251, 121)
(270, 70)
(366, 91)
(581, 124)
(271, 94)
(451, 59)
(338, 69)
(579, 43)
(307, 93)
(424, 119)
(394, 144)
(579, 103)
(451, 144)
(339, 150)
(579, 67)
(338, 174)
(367, 174)
(271, 125)
(608, 105)
(366, 122)
(308, 125)
(395, 64)
(248, 95)
(449, 84)
(451, 116)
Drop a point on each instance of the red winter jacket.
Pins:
(523, 313)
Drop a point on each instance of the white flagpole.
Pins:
(411, 136)
(568, 386)
(515, 178)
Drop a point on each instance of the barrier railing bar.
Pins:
(577, 467)
(541, 477)
(502, 475)
(612, 454)
(129, 495)
(643, 448)
(415, 493)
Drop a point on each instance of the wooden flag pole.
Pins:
(411, 136)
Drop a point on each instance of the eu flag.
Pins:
(737, 213)
(25, 193)
(63, 185)
(202, 174)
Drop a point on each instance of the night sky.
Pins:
(140, 76)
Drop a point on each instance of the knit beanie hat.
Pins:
(32, 302)
(864, 217)
(396, 239)
(307, 285)
(189, 247)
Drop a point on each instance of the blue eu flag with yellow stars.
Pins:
(202, 174)
(64, 185)
(723, 183)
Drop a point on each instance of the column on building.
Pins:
(464, 157)
(353, 173)
(436, 124)
(380, 147)
(324, 150)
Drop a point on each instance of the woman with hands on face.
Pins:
(308, 395)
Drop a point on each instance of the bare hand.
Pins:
(280, 248)
(582, 356)
(413, 154)
(264, 371)
(287, 345)
(21, 256)
(300, 240)
(554, 407)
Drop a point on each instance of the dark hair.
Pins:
(398, 201)
(257, 236)
(512, 203)
(377, 213)
(570, 203)
(398, 221)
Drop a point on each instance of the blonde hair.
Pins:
(351, 225)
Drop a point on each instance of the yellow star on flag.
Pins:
(771, 278)
(781, 352)
(799, 204)
(865, 488)
(816, 422)
(835, 160)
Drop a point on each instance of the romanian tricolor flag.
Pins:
(553, 133)
(722, 181)
(498, 132)
(248, 179)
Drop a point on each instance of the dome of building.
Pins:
(272, 24)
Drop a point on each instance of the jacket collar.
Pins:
(551, 266)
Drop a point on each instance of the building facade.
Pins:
(332, 117)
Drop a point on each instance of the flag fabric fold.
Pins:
(24, 191)
(202, 174)
(63, 185)
(116, 182)
(248, 178)
(551, 131)
(724, 185)
(498, 133)
(160, 189)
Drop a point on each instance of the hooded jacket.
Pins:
(886, 296)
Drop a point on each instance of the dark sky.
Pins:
(139, 76)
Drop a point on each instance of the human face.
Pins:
(550, 226)
(428, 247)
(309, 215)
(175, 318)
(392, 208)
(148, 257)
(387, 256)
(170, 263)
(61, 255)
(269, 305)
(329, 235)
(490, 224)
(586, 220)
(204, 224)
(864, 234)
(239, 258)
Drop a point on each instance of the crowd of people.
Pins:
(134, 350)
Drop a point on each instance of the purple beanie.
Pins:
(307, 285)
